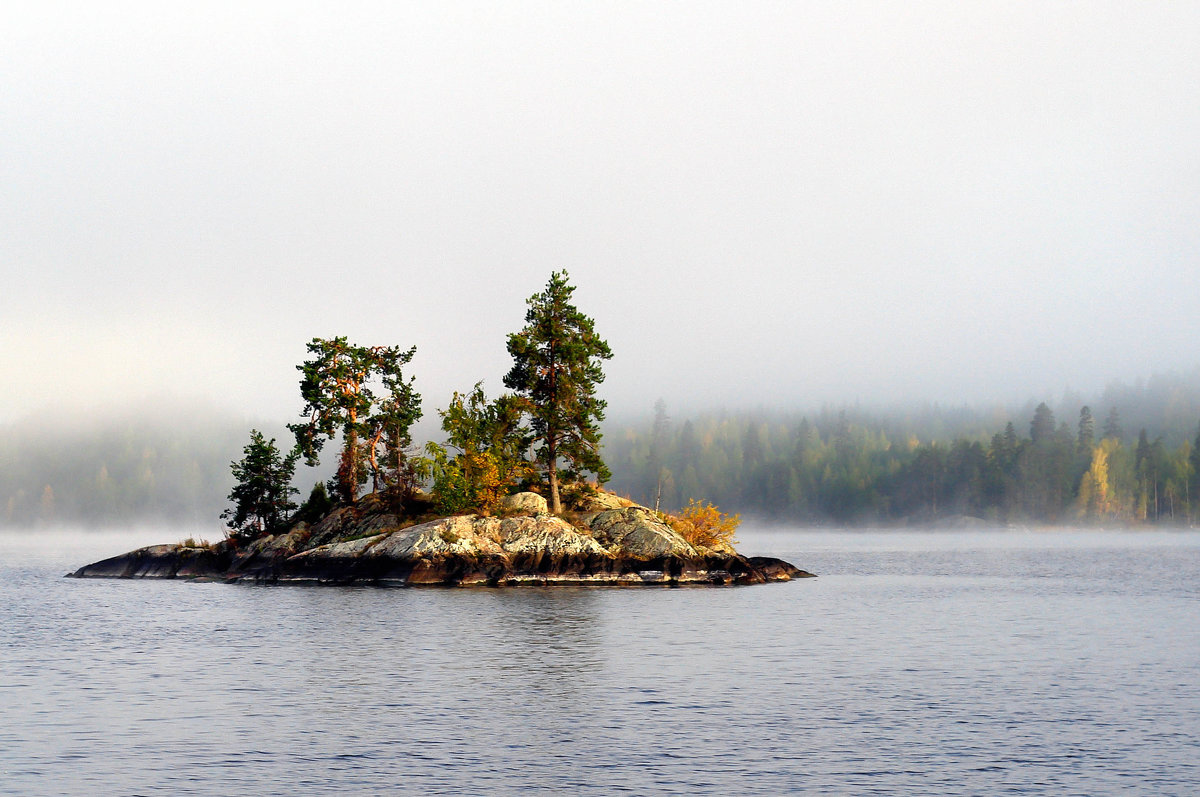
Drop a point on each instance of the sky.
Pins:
(761, 204)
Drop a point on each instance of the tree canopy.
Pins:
(852, 467)
(556, 368)
(338, 388)
(491, 441)
(262, 496)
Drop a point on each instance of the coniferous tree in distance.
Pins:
(556, 368)
(1112, 426)
(1087, 430)
(1194, 475)
(262, 496)
(658, 441)
(1041, 428)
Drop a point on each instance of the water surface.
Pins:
(949, 663)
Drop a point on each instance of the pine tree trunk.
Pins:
(347, 475)
(352, 459)
(555, 503)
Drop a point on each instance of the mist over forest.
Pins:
(816, 208)
(1128, 456)
(168, 463)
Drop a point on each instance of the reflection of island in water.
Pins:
(609, 540)
(554, 639)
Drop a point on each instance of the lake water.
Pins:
(918, 663)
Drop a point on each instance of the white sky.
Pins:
(761, 203)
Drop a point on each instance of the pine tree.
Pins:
(1041, 428)
(1087, 430)
(388, 435)
(1112, 425)
(556, 368)
(262, 495)
(658, 443)
(339, 397)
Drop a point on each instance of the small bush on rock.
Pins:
(703, 525)
(192, 542)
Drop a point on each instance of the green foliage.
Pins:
(1192, 470)
(1086, 436)
(490, 444)
(316, 507)
(556, 369)
(1041, 428)
(339, 391)
(454, 490)
(389, 439)
(1112, 425)
(847, 468)
(262, 496)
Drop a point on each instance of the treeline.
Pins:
(835, 465)
(847, 466)
(152, 466)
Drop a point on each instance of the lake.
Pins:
(997, 662)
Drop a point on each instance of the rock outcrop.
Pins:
(611, 541)
(638, 532)
(524, 504)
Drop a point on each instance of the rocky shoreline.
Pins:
(608, 541)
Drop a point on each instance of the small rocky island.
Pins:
(608, 540)
(508, 503)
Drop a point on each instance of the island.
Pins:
(609, 540)
(509, 497)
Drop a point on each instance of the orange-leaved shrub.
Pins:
(703, 525)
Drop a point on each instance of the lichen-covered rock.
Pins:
(332, 551)
(552, 535)
(350, 522)
(719, 549)
(599, 501)
(526, 503)
(336, 525)
(365, 544)
(637, 532)
(462, 535)
(454, 550)
(773, 569)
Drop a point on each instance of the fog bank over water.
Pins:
(785, 204)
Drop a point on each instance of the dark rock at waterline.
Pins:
(618, 543)
(161, 561)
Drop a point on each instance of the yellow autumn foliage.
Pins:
(704, 526)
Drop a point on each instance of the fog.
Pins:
(770, 203)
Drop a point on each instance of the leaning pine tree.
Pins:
(556, 368)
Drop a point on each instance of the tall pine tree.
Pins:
(556, 368)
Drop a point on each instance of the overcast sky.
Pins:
(760, 203)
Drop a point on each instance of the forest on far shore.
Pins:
(1131, 456)
(1135, 462)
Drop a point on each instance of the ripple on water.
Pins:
(938, 663)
